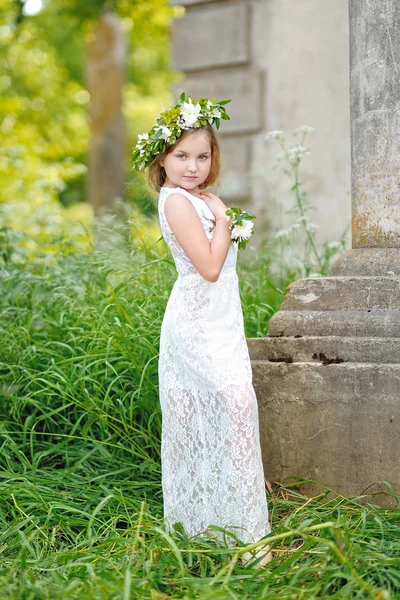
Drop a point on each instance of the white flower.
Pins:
(283, 233)
(243, 231)
(334, 245)
(295, 154)
(276, 134)
(312, 227)
(314, 275)
(142, 139)
(166, 132)
(303, 218)
(212, 110)
(303, 129)
(190, 112)
(216, 113)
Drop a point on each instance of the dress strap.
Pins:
(167, 191)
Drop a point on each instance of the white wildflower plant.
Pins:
(186, 114)
(316, 262)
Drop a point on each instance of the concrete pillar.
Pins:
(375, 139)
(327, 376)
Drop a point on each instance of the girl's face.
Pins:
(188, 165)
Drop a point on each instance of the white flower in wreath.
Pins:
(142, 139)
(243, 231)
(166, 132)
(216, 113)
(190, 112)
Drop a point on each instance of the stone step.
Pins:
(367, 383)
(326, 350)
(338, 424)
(343, 293)
(351, 323)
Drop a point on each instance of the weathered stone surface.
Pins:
(235, 152)
(338, 424)
(211, 36)
(338, 293)
(235, 155)
(375, 122)
(369, 262)
(326, 350)
(327, 381)
(354, 323)
(244, 87)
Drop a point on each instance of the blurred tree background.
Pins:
(45, 127)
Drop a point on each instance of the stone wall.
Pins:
(284, 63)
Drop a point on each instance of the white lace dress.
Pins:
(212, 471)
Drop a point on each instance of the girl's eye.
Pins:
(203, 156)
(180, 155)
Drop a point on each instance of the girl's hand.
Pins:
(214, 203)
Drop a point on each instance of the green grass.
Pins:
(80, 481)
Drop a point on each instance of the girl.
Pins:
(212, 472)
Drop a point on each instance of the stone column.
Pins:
(327, 376)
(375, 139)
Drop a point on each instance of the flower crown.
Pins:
(186, 114)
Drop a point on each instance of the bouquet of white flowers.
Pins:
(241, 225)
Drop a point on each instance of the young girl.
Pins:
(212, 472)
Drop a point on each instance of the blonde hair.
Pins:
(156, 174)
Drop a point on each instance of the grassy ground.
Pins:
(80, 494)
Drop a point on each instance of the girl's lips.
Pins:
(190, 177)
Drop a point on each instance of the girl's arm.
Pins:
(207, 257)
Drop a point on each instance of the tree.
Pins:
(44, 108)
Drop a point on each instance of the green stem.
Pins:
(301, 209)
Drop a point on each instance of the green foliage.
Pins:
(43, 130)
(80, 488)
(44, 125)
